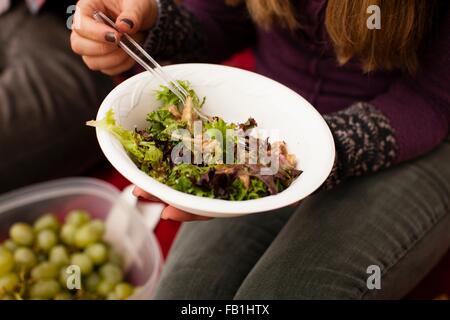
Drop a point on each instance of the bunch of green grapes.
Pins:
(34, 261)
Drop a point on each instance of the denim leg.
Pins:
(398, 219)
(46, 96)
(210, 259)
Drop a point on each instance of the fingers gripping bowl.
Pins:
(235, 95)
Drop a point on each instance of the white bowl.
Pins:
(235, 95)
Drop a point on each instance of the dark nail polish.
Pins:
(128, 22)
(110, 37)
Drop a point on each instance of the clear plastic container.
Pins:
(126, 231)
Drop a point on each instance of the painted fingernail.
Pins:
(128, 22)
(110, 37)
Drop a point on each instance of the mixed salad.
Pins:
(178, 135)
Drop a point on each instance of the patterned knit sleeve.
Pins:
(176, 35)
(364, 140)
(198, 30)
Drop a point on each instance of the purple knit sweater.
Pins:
(408, 114)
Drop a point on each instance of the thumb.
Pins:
(130, 19)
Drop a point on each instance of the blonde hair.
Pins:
(395, 46)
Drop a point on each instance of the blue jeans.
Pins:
(398, 220)
(46, 96)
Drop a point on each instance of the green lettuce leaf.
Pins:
(256, 190)
(238, 190)
(168, 98)
(162, 123)
(184, 178)
(142, 152)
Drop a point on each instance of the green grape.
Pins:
(83, 261)
(44, 289)
(99, 227)
(44, 271)
(114, 257)
(97, 252)
(25, 258)
(123, 290)
(46, 240)
(42, 257)
(47, 221)
(67, 234)
(112, 296)
(77, 218)
(92, 281)
(44, 277)
(86, 235)
(22, 234)
(10, 245)
(111, 273)
(63, 296)
(6, 261)
(9, 282)
(104, 288)
(59, 256)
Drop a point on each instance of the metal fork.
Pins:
(147, 62)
